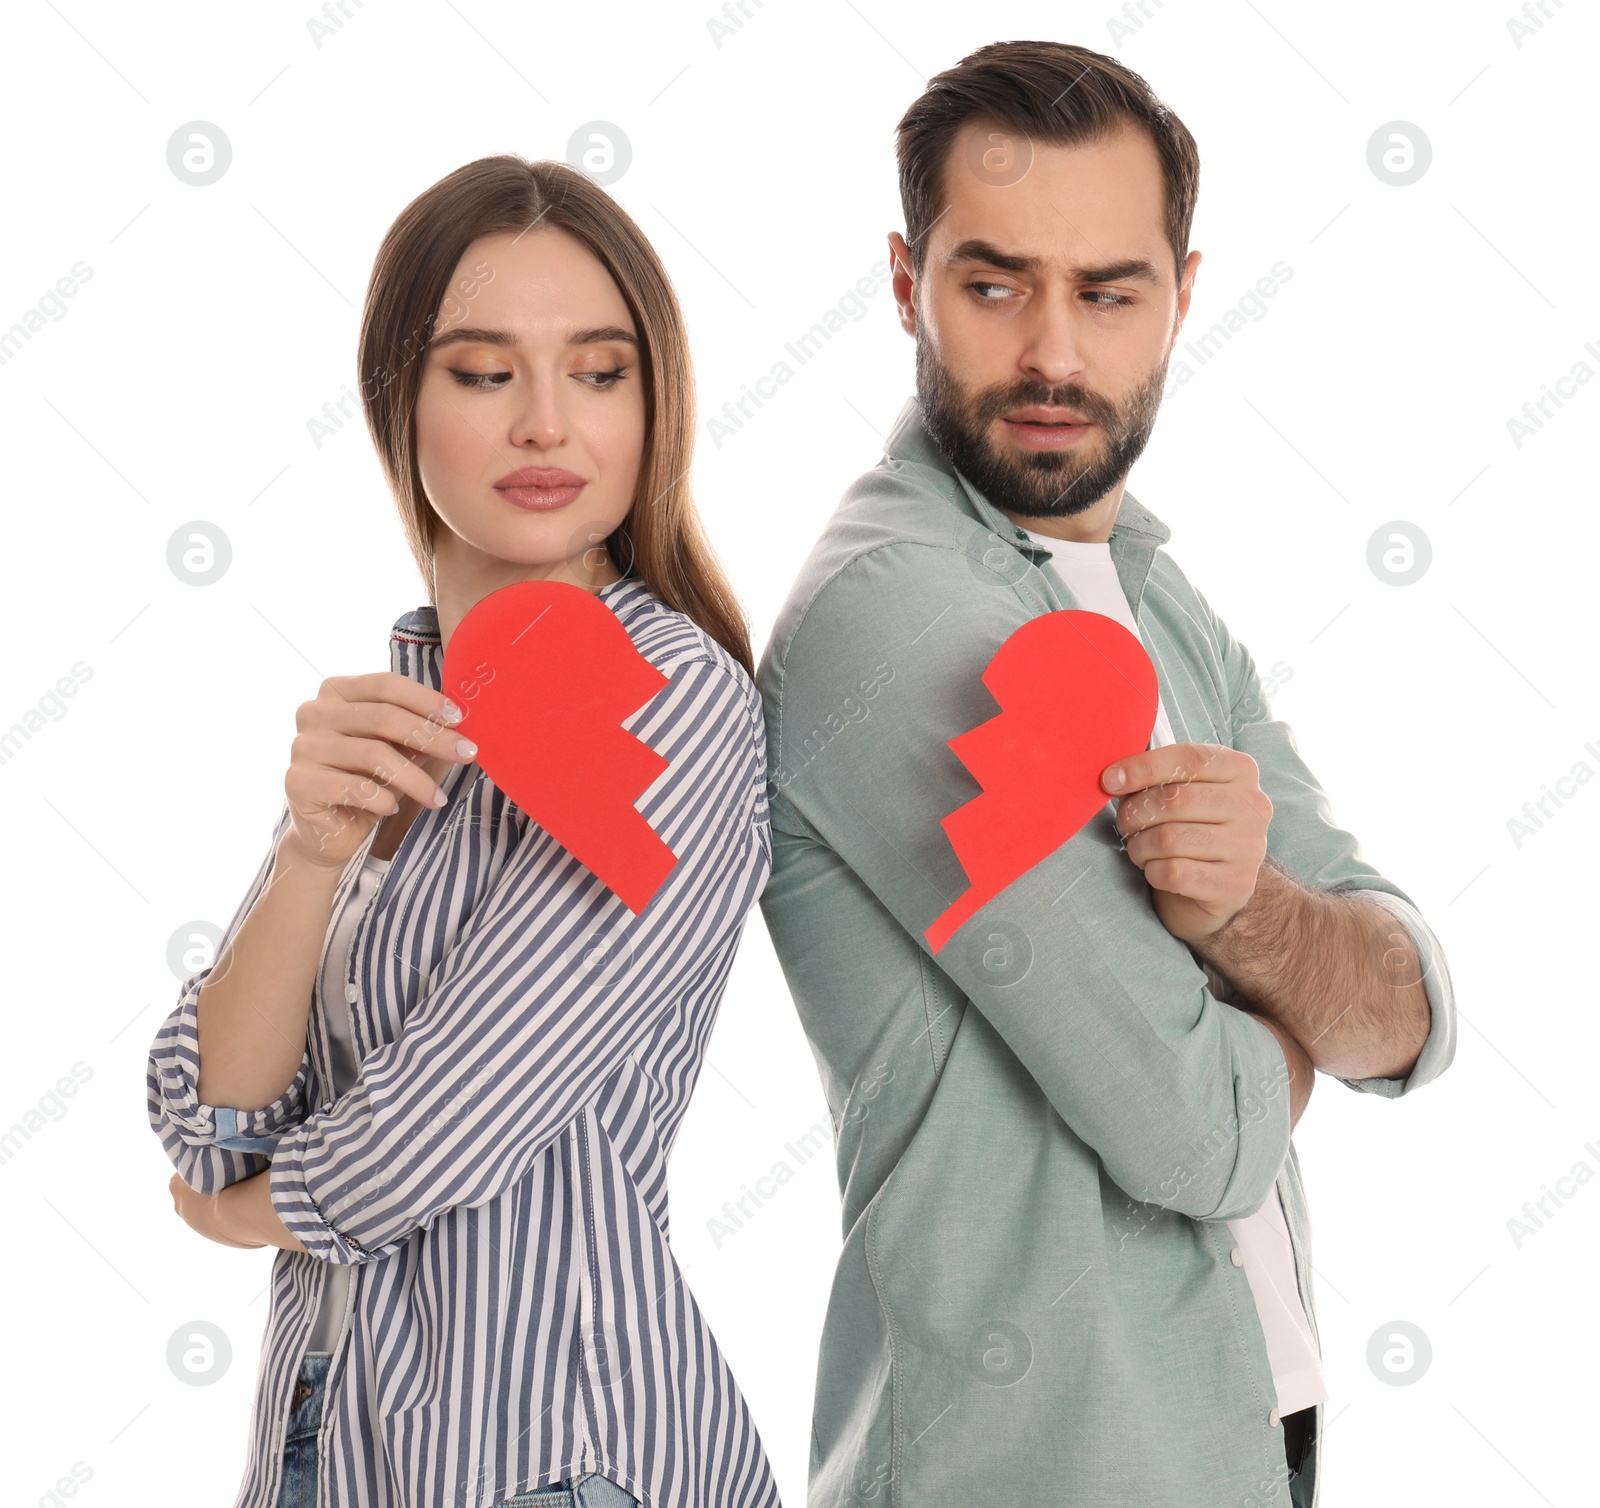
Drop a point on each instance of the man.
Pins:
(1076, 1265)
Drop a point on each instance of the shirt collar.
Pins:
(1137, 530)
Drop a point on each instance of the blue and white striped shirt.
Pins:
(497, 1178)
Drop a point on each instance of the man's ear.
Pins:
(1191, 266)
(903, 282)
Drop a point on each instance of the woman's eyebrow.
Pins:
(472, 335)
(602, 333)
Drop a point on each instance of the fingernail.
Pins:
(466, 748)
(452, 713)
(1115, 780)
(439, 797)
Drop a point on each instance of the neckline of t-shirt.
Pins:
(374, 862)
(1095, 547)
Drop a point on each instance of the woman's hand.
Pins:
(364, 746)
(199, 1212)
(239, 1215)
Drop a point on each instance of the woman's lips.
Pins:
(539, 499)
(539, 488)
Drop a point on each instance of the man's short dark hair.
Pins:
(1055, 94)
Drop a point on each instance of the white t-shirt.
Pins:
(345, 1069)
(1263, 1238)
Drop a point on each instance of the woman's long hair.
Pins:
(661, 541)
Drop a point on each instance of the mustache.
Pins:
(996, 402)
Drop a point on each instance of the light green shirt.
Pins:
(1043, 1131)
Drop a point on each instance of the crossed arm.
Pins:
(1335, 972)
(550, 985)
(241, 1214)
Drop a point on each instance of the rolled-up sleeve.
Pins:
(1316, 851)
(550, 986)
(1440, 1046)
(213, 1146)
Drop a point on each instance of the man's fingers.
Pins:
(1174, 764)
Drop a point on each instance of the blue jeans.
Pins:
(588, 1490)
(299, 1488)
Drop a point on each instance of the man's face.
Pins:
(1045, 314)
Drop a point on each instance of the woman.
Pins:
(437, 1061)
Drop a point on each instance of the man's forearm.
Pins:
(1339, 973)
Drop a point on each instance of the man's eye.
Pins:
(604, 380)
(480, 379)
(998, 287)
(1112, 299)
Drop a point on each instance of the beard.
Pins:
(1034, 483)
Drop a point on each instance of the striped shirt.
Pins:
(496, 1180)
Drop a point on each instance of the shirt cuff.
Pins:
(298, 1210)
(1440, 1046)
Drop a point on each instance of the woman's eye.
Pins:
(480, 379)
(603, 380)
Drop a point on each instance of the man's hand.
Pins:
(1194, 819)
(199, 1212)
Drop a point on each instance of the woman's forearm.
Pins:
(244, 1214)
(253, 1007)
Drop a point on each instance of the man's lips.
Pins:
(539, 488)
(1046, 428)
(1039, 414)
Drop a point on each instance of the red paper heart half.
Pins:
(546, 675)
(1076, 692)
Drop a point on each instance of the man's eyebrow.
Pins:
(477, 336)
(1130, 269)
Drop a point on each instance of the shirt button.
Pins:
(1238, 1257)
(1272, 1419)
(351, 993)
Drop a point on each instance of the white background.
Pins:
(1377, 387)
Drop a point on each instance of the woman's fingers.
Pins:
(415, 738)
(387, 688)
(334, 769)
(363, 744)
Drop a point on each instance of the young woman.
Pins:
(437, 1061)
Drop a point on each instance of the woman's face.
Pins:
(531, 413)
